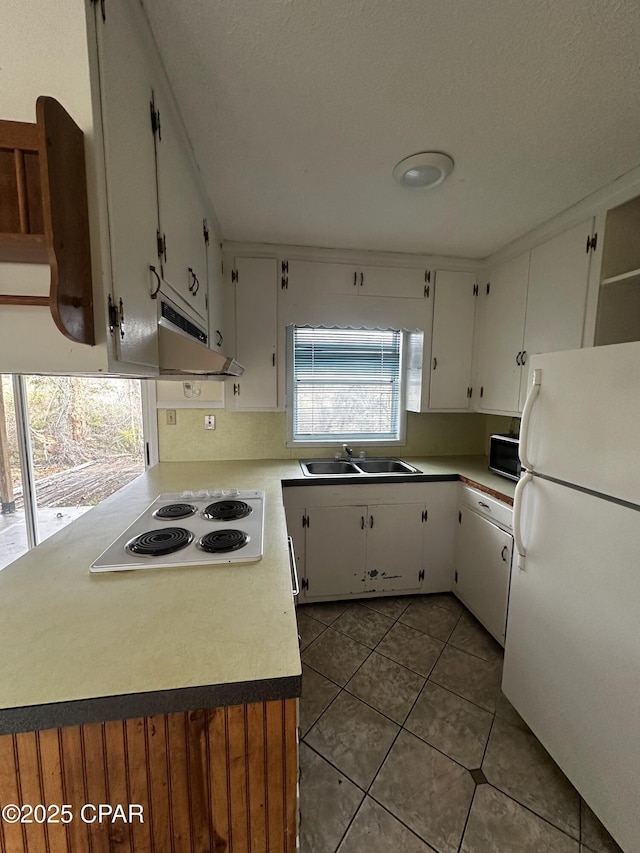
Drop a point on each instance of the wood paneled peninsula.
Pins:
(172, 689)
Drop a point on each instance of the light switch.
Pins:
(209, 421)
(171, 417)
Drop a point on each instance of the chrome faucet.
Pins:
(348, 451)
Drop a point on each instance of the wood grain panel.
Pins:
(219, 780)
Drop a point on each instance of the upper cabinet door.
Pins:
(182, 211)
(128, 73)
(256, 335)
(557, 295)
(397, 282)
(452, 347)
(505, 293)
(315, 279)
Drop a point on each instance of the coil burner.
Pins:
(170, 512)
(157, 543)
(228, 510)
(221, 541)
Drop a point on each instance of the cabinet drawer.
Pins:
(491, 508)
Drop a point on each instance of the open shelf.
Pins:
(631, 277)
(44, 216)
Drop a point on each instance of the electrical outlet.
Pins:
(171, 417)
(209, 421)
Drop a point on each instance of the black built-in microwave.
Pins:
(503, 456)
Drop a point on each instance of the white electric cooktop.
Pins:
(206, 527)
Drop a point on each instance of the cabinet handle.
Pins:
(435, 363)
(154, 292)
(518, 362)
(362, 522)
(355, 278)
(503, 554)
(361, 279)
(484, 505)
(219, 338)
(370, 521)
(523, 358)
(273, 359)
(194, 287)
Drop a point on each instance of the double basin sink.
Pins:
(339, 467)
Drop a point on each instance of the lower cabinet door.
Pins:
(483, 570)
(335, 550)
(394, 547)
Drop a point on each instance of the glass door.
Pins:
(69, 442)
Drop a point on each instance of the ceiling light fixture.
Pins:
(427, 169)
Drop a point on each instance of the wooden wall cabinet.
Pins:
(43, 214)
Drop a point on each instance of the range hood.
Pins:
(183, 350)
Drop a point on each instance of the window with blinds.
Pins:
(345, 384)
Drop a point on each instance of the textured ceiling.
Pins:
(299, 109)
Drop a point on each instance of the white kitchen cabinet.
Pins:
(533, 303)
(182, 211)
(396, 282)
(483, 561)
(255, 285)
(618, 311)
(129, 71)
(116, 71)
(395, 535)
(219, 309)
(556, 297)
(505, 295)
(353, 541)
(452, 340)
(439, 360)
(316, 279)
(335, 551)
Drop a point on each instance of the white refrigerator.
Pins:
(572, 655)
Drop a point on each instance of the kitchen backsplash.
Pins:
(261, 435)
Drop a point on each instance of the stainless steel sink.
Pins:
(359, 467)
(385, 466)
(327, 467)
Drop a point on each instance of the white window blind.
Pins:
(346, 384)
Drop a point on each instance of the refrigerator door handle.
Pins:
(517, 517)
(526, 418)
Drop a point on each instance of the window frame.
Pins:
(336, 441)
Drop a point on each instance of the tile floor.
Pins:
(409, 745)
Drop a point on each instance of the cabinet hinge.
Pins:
(304, 583)
(285, 267)
(421, 575)
(234, 276)
(101, 2)
(162, 246)
(488, 288)
(427, 275)
(425, 515)
(469, 392)
(305, 520)
(427, 289)
(592, 242)
(459, 518)
(481, 391)
(284, 281)
(205, 232)
(455, 577)
(475, 289)
(112, 315)
(155, 119)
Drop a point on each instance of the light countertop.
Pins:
(80, 647)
